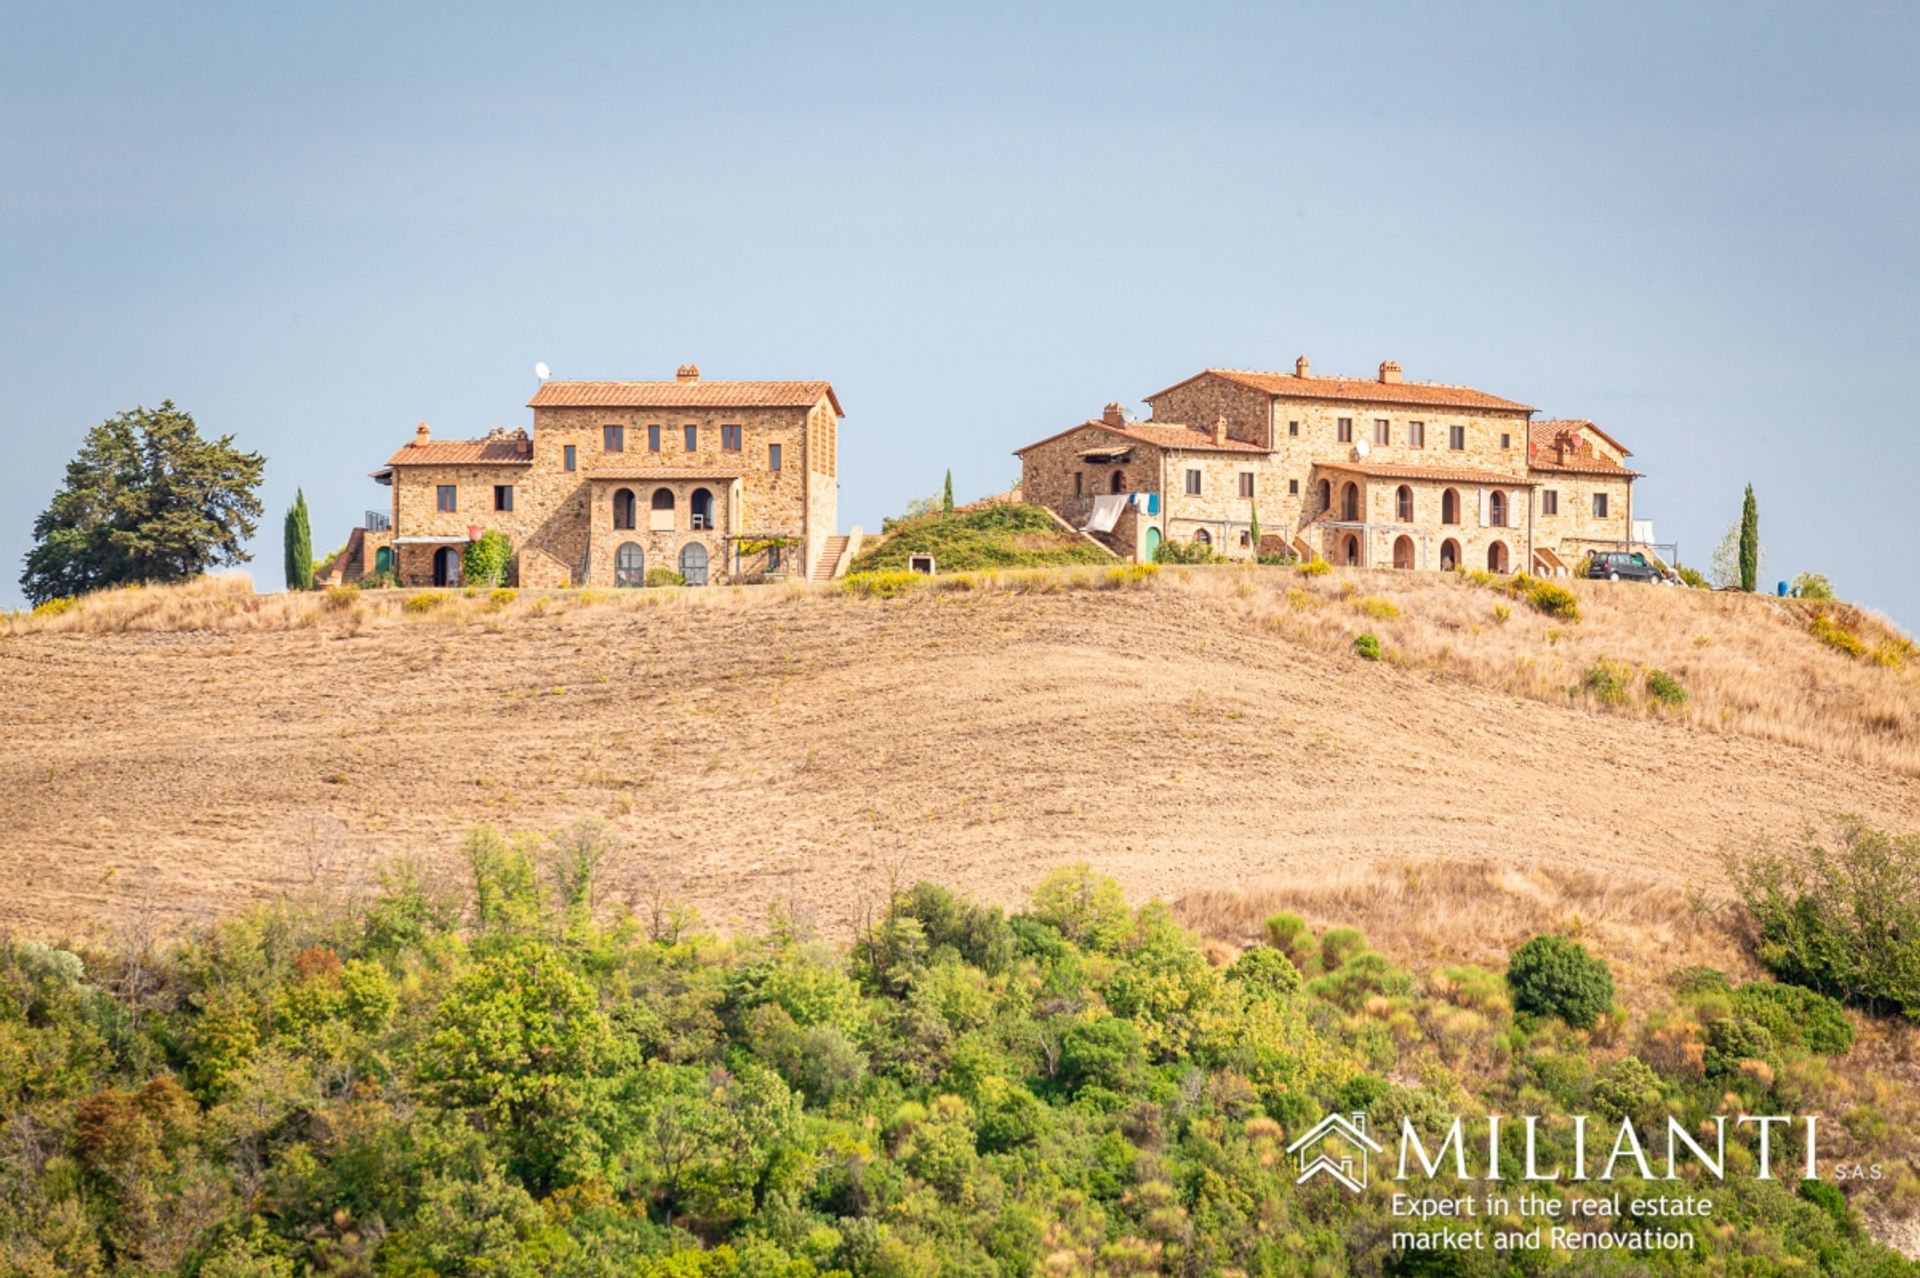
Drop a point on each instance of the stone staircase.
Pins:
(829, 558)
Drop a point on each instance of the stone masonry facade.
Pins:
(720, 480)
(1374, 472)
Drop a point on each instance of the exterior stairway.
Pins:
(829, 559)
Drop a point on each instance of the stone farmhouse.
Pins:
(1379, 472)
(716, 480)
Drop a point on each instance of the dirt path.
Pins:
(803, 751)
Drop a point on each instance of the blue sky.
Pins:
(314, 226)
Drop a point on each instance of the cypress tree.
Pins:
(1749, 543)
(946, 497)
(299, 544)
(1253, 528)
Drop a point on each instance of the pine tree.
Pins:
(1749, 543)
(946, 497)
(299, 544)
(1253, 528)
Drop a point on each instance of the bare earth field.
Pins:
(1192, 735)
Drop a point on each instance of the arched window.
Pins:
(702, 506)
(1497, 557)
(1246, 538)
(625, 508)
(1350, 501)
(1326, 495)
(1449, 555)
(1204, 537)
(1497, 509)
(1403, 550)
(1353, 551)
(1119, 481)
(1403, 504)
(660, 519)
(629, 565)
(693, 563)
(1450, 507)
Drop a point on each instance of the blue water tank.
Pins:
(1783, 590)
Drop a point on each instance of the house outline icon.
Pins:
(1351, 1129)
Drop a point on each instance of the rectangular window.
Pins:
(1193, 483)
(1416, 434)
(773, 457)
(1246, 483)
(447, 498)
(1506, 441)
(1293, 428)
(1346, 430)
(503, 496)
(1382, 432)
(653, 439)
(692, 434)
(1456, 437)
(1550, 502)
(1599, 505)
(1293, 487)
(613, 439)
(571, 456)
(1079, 483)
(773, 555)
(729, 438)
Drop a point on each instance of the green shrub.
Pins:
(1554, 599)
(1554, 976)
(1813, 585)
(1695, 578)
(1185, 552)
(1367, 647)
(1844, 921)
(882, 585)
(1290, 935)
(1315, 567)
(1009, 535)
(1277, 559)
(1629, 1089)
(487, 559)
(1826, 1195)
(1796, 1016)
(1665, 689)
(664, 577)
(1265, 972)
(1700, 979)
(1610, 682)
(340, 598)
(1734, 1039)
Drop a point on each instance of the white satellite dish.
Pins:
(541, 371)
(1360, 450)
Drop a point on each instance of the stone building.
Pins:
(1359, 471)
(716, 480)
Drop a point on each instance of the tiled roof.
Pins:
(1543, 452)
(1359, 390)
(643, 470)
(1159, 435)
(687, 394)
(1436, 474)
(496, 450)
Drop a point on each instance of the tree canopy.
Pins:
(146, 500)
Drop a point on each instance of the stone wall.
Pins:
(1574, 530)
(662, 547)
(1047, 472)
(1375, 542)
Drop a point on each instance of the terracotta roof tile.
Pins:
(1359, 390)
(509, 449)
(644, 470)
(1436, 474)
(1159, 435)
(679, 394)
(1543, 449)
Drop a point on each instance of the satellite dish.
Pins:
(1360, 450)
(541, 371)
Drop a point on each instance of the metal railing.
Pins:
(378, 521)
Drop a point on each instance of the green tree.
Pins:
(946, 495)
(147, 500)
(1749, 543)
(1553, 976)
(487, 558)
(299, 544)
(1253, 527)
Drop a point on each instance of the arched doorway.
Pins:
(446, 566)
(1450, 507)
(1403, 504)
(1326, 495)
(1352, 551)
(1497, 557)
(1204, 537)
(1153, 543)
(1350, 502)
(629, 565)
(1449, 555)
(1119, 481)
(1497, 509)
(1403, 551)
(660, 518)
(693, 563)
(383, 561)
(702, 504)
(625, 508)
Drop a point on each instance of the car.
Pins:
(1621, 565)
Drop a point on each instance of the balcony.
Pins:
(378, 521)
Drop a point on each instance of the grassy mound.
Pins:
(997, 537)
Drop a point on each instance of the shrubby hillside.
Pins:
(496, 1081)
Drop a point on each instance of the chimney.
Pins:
(687, 373)
(1114, 415)
(422, 436)
(1301, 368)
(1390, 370)
(1219, 430)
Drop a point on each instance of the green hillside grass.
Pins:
(1008, 536)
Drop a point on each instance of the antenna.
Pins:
(541, 371)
